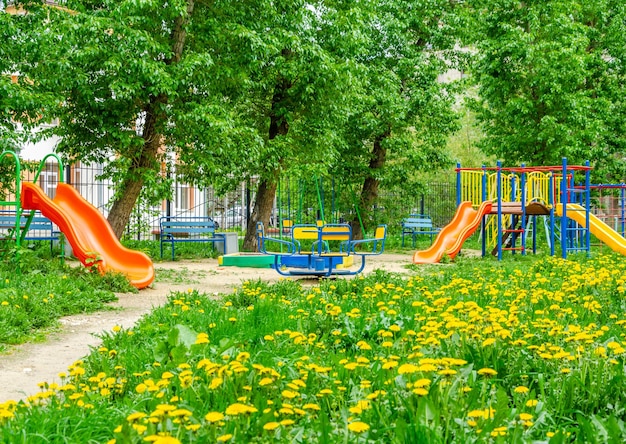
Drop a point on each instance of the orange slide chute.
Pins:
(88, 232)
(451, 237)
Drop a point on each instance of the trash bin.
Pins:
(230, 244)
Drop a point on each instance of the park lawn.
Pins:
(37, 289)
(530, 349)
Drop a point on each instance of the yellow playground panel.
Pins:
(538, 187)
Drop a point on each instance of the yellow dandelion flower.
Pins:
(525, 416)
(140, 428)
(407, 368)
(202, 338)
(238, 409)
(351, 366)
(214, 416)
(362, 345)
(180, 412)
(271, 426)
(159, 439)
(358, 427)
(224, 438)
(265, 381)
(215, 383)
(289, 394)
(487, 372)
(521, 389)
(135, 416)
(311, 406)
(498, 431)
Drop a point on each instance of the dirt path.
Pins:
(26, 366)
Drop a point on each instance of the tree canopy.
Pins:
(223, 92)
(551, 81)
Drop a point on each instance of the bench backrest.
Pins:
(37, 223)
(417, 221)
(304, 232)
(329, 232)
(189, 225)
(336, 232)
(381, 232)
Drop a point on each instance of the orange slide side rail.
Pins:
(450, 239)
(88, 232)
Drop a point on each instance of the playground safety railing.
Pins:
(330, 253)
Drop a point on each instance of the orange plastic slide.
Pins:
(89, 233)
(451, 237)
(599, 229)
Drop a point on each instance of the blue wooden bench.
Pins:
(30, 227)
(417, 224)
(175, 229)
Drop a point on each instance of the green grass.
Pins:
(184, 250)
(37, 289)
(180, 275)
(530, 349)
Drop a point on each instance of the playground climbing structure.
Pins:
(521, 195)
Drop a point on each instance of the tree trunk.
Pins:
(148, 159)
(263, 204)
(267, 185)
(369, 192)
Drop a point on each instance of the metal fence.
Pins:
(231, 211)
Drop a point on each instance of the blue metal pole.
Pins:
(588, 206)
(484, 198)
(458, 184)
(623, 201)
(553, 204)
(523, 199)
(499, 196)
(564, 234)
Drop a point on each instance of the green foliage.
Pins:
(550, 78)
(399, 102)
(232, 93)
